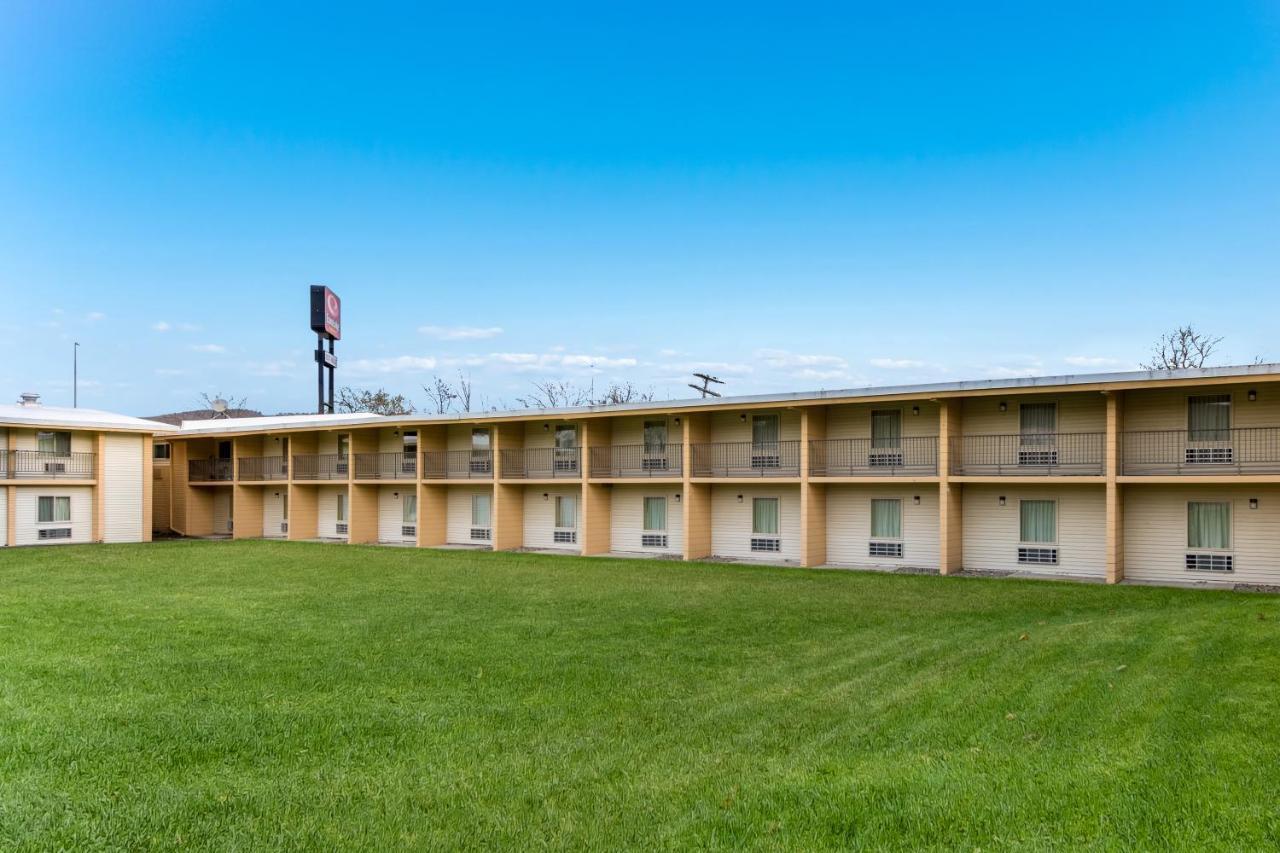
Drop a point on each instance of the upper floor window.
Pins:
(344, 445)
(765, 430)
(655, 436)
(54, 442)
(1209, 417)
(162, 451)
(1037, 422)
(410, 442)
(479, 439)
(566, 436)
(886, 428)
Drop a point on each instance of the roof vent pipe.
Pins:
(29, 398)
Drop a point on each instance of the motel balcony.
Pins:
(1030, 455)
(1252, 450)
(256, 468)
(637, 460)
(321, 466)
(542, 463)
(457, 465)
(864, 457)
(386, 466)
(747, 459)
(209, 470)
(46, 465)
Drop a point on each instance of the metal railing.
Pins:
(45, 464)
(263, 467)
(320, 466)
(386, 466)
(747, 459)
(637, 460)
(1044, 454)
(1250, 450)
(541, 463)
(857, 457)
(209, 470)
(457, 464)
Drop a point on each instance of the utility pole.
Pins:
(704, 389)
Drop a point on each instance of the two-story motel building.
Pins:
(75, 475)
(1163, 477)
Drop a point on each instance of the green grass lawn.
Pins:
(249, 695)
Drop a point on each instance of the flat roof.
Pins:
(1028, 383)
(41, 415)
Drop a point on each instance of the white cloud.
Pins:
(161, 326)
(95, 316)
(596, 361)
(271, 368)
(896, 363)
(812, 373)
(394, 364)
(1095, 361)
(461, 333)
(213, 348)
(782, 359)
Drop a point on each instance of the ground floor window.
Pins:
(566, 512)
(52, 509)
(764, 525)
(1209, 525)
(886, 528)
(1039, 522)
(655, 515)
(480, 510)
(342, 507)
(410, 509)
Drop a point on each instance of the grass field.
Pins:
(255, 695)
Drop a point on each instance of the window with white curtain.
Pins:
(566, 512)
(1038, 423)
(480, 510)
(410, 509)
(54, 442)
(53, 508)
(1038, 522)
(886, 518)
(765, 430)
(764, 516)
(1209, 417)
(886, 428)
(1209, 525)
(655, 515)
(342, 507)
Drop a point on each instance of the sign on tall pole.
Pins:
(326, 322)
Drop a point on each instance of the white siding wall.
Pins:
(327, 508)
(631, 430)
(391, 513)
(458, 437)
(854, 421)
(627, 519)
(27, 513)
(221, 511)
(81, 442)
(1155, 532)
(1167, 408)
(273, 512)
(122, 488)
(991, 531)
(540, 515)
(1076, 413)
(536, 436)
(729, 426)
(731, 521)
(849, 525)
(458, 521)
(327, 443)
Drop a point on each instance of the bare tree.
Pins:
(554, 394)
(441, 395)
(623, 393)
(463, 391)
(1183, 347)
(379, 402)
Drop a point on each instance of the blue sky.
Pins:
(794, 197)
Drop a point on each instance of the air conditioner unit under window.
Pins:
(884, 459)
(55, 467)
(54, 533)
(885, 549)
(1210, 563)
(340, 528)
(1209, 456)
(1037, 457)
(481, 534)
(284, 527)
(653, 540)
(1037, 556)
(767, 544)
(408, 530)
(564, 537)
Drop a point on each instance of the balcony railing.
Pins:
(637, 460)
(457, 464)
(263, 467)
(320, 466)
(386, 466)
(1046, 454)
(209, 470)
(1251, 450)
(859, 457)
(747, 459)
(541, 463)
(43, 464)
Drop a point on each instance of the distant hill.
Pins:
(176, 418)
